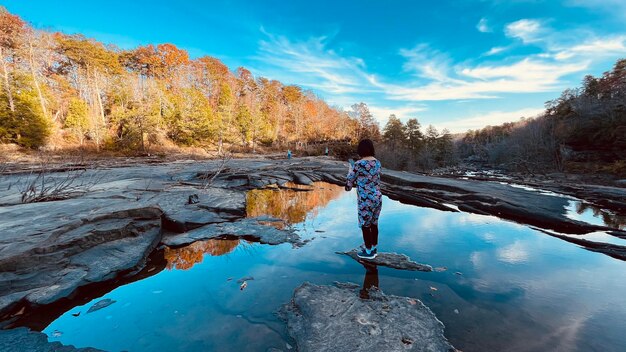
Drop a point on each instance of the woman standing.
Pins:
(366, 174)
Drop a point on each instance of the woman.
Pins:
(366, 174)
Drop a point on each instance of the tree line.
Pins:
(67, 89)
(406, 147)
(584, 130)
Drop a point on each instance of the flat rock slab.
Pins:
(212, 205)
(331, 318)
(392, 260)
(22, 339)
(245, 228)
(100, 305)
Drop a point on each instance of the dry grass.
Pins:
(48, 183)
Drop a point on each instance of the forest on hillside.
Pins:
(63, 90)
(584, 130)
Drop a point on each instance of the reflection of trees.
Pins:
(609, 219)
(185, 257)
(288, 204)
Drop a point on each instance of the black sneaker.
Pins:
(363, 254)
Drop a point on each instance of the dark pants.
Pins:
(370, 235)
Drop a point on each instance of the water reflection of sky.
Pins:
(513, 288)
(585, 212)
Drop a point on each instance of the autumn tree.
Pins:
(271, 107)
(292, 98)
(225, 109)
(25, 124)
(368, 127)
(90, 61)
(11, 30)
(77, 118)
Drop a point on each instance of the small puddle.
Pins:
(585, 212)
(497, 285)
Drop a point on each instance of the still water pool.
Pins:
(500, 286)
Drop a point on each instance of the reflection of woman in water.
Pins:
(370, 280)
(366, 174)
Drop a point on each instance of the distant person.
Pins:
(288, 153)
(326, 151)
(366, 174)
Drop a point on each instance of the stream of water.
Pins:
(498, 285)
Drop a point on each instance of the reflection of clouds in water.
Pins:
(340, 215)
(474, 219)
(432, 221)
(489, 237)
(313, 252)
(516, 253)
(477, 259)
(566, 336)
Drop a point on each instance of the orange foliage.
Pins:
(185, 257)
(11, 26)
(292, 206)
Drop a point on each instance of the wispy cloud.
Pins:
(482, 26)
(527, 30)
(595, 47)
(312, 65)
(425, 62)
(495, 50)
(489, 119)
(381, 113)
(525, 74)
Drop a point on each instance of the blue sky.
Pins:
(453, 64)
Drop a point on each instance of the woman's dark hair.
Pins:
(366, 148)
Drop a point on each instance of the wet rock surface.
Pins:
(245, 228)
(22, 339)
(331, 318)
(47, 250)
(391, 260)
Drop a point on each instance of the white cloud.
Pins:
(492, 118)
(525, 29)
(482, 26)
(533, 72)
(381, 113)
(595, 48)
(495, 50)
(426, 62)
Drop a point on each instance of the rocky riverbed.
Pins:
(103, 227)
